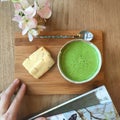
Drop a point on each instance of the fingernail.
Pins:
(23, 85)
(16, 81)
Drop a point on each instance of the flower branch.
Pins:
(29, 17)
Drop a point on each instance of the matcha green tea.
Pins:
(79, 60)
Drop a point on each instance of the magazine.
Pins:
(93, 105)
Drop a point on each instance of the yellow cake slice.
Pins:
(38, 62)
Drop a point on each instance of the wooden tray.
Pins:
(52, 82)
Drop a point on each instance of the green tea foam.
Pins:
(79, 61)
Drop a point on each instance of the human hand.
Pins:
(8, 110)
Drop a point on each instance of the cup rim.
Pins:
(84, 81)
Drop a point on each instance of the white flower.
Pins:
(26, 16)
(32, 33)
(27, 24)
(30, 12)
(43, 9)
(24, 3)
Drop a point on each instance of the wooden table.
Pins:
(67, 15)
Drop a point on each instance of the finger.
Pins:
(7, 95)
(0, 94)
(12, 88)
(14, 108)
(41, 118)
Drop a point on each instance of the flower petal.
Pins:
(45, 12)
(30, 11)
(24, 3)
(16, 18)
(35, 5)
(20, 25)
(17, 6)
(32, 23)
(30, 37)
(41, 27)
(47, 3)
(42, 3)
(33, 32)
(25, 31)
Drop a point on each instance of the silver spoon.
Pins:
(86, 35)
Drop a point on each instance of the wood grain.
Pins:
(52, 82)
(67, 15)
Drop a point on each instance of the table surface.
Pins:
(67, 15)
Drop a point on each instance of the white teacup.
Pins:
(79, 61)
